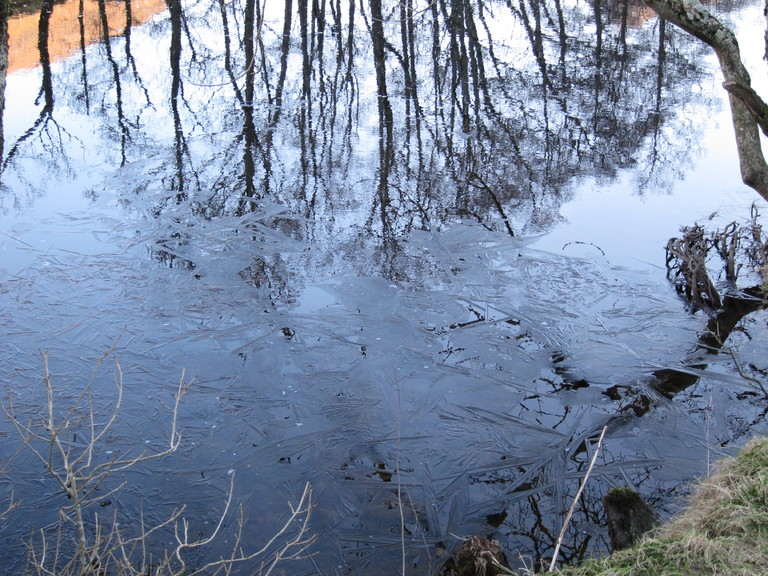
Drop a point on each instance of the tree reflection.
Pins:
(83, 54)
(4, 13)
(46, 87)
(461, 130)
(179, 182)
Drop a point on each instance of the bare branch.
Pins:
(103, 547)
(692, 17)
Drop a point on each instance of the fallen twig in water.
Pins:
(576, 500)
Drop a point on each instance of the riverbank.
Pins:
(722, 531)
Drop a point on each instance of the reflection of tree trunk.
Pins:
(121, 121)
(128, 52)
(598, 61)
(476, 62)
(406, 22)
(459, 63)
(4, 9)
(621, 51)
(696, 20)
(437, 75)
(563, 39)
(249, 34)
(83, 58)
(306, 90)
(379, 63)
(285, 46)
(310, 15)
(344, 85)
(408, 41)
(228, 52)
(662, 54)
(318, 24)
(174, 11)
(277, 103)
(412, 106)
(45, 55)
(535, 37)
(46, 88)
(350, 47)
(249, 128)
(537, 46)
(386, 138)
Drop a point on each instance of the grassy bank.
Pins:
(722, 531)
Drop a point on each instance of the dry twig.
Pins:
(103, 547)
(576, 500)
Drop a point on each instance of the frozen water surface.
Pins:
(372, 329)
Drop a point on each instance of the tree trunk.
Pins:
(692, 17)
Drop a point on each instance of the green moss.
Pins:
(623, 496)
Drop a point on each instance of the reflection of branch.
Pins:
(40, 123)
(46, 87)
(496, 201)
(692, 17)
(743, 374)
(129, 53)
(107, 42)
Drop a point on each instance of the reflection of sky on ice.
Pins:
(456, 374)
(57, 203)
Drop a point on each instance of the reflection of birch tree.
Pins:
(462, 128)
(248, 134)
(386, 137)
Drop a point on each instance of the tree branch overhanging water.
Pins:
(747, 109)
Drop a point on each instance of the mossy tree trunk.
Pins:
(748, 110)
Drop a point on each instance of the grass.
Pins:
(723, 530)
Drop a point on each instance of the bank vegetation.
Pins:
(723, 530)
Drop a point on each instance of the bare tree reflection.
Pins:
(122, 122)
(83, 55)
(248, 133)
(44, 119)
(4, 13)
(179, 183)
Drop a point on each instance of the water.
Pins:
(352, 311)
